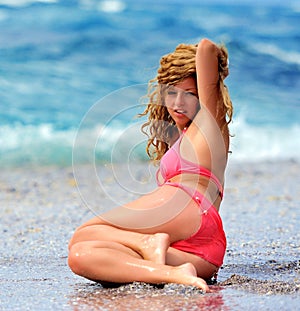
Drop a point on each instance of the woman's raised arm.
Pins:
(207, 67)
(208, 133)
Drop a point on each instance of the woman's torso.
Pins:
(185, 163)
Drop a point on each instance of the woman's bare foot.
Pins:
(154, 247)
(187, 274)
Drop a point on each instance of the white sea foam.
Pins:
(256, 143)
(44, 145)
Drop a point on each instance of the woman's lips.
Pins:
(180, 112)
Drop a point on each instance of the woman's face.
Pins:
(182, 102)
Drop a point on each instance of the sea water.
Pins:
(72, 73)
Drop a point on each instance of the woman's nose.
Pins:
(179, 100)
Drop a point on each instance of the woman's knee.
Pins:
(85, 233)
(78, 257)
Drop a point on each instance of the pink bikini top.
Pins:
(172, 164)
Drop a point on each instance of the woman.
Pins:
(174, 234)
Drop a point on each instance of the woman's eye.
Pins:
(190, 94)
(170, 92)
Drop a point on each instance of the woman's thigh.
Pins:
(82, 246)
(168, 209)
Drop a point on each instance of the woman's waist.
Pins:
(197, 183)
(189, 179)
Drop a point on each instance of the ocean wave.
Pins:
(24, 3)
(44, 145)
(22, 145)
(290, 57)
(260, 143)
(106, 6)
(47, 88)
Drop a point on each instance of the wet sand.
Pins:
(41, 207)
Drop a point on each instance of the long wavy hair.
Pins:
(175, 67)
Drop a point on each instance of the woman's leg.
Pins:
(173, 212)
(144, 242)
(154, 247)
(149, 246)
(113, 262)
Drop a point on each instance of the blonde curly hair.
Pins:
(175, 67)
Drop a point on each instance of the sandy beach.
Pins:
(41, 207)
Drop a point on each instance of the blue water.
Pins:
(61, 59)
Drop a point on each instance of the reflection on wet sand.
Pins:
(270, 278)
(142, 296)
